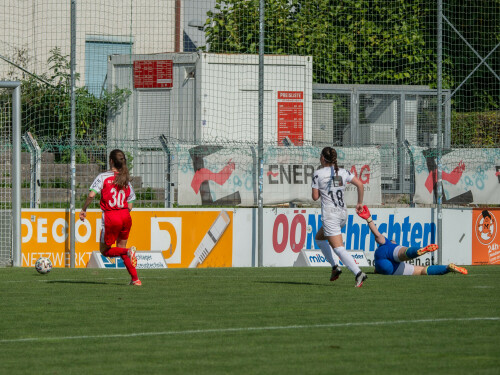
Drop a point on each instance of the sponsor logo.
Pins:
(302, 174)
(112, 262)
(486, 227)
(299, 231)
(202, 176)
(317, 258)
(166, 234)
(205, 174)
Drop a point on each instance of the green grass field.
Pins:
(248, 321)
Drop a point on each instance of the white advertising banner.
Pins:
(229, 238)
(289, 231)
(218, 175)
(210, 175)
(145, 260)
(315, 258)
(469, 176)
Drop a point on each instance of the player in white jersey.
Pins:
(329, 183)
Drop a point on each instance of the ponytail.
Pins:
(330, 156)
(122, 178)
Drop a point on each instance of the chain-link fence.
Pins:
(176, 86)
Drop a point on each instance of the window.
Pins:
(97, 50)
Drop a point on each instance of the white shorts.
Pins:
(404, 269)
(333, 221)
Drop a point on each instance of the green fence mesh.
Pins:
(175, 84)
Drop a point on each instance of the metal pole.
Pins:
(16, 174)
(73, 122)
(260, 156)
(36, 159)
(439, 129)
(167, 179)
(412, 172)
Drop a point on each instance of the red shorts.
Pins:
(115, 226)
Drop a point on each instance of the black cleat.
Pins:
(336, 271)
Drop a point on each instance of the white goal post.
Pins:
(10, 251)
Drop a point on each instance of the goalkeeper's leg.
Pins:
(439, 270)
(407, 253)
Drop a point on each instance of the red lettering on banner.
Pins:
(279, 247)
(366, 179)
(297, 246)
(363, 177)
(298, 224)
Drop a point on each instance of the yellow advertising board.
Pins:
(187, 238)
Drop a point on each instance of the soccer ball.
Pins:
(43, 265)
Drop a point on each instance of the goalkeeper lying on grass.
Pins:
(390, 257)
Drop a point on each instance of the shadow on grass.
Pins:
(80, 282)
(291, 283)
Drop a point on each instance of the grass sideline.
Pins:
(248, 321)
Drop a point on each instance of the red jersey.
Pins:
(113, 197)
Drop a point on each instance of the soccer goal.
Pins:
(10, 174)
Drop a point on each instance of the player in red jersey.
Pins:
(117, 196)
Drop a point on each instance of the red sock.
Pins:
(116, 252)
(131, 269)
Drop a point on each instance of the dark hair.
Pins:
(485, 214)
(330, 156)
(120, 163)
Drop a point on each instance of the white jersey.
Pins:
(331, 186)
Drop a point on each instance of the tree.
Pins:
(478, 22)
(372, 41)
(46, 105)
(351, 41)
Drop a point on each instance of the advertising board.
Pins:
(178, 235)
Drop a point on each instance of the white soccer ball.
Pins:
(43, 265)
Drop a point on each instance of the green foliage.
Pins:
(353, 42)
(46, 108)
(475, 129)
(81, 156)
(146, 194)
(55, 183)
(371, 41)
(130, 160)
(479, 24)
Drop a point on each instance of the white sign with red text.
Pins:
(289, 231)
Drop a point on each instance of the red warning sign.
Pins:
(290, 118)
(153, 74)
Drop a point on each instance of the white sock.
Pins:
(347, 259)
(327, 251)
